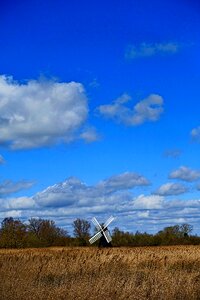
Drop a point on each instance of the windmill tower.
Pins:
(103, 234)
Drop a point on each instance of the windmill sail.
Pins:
(108, 222)
(107, 236)
(96, 224)
(95, 237)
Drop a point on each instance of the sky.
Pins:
(100, 112)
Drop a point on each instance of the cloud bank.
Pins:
(117, 195)
(74, 192)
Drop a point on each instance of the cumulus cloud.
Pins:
(41, 113)
(65, 193)
(185, 173)
(2, 160)
(195, 134)
(171, 189)
(147, 110)
(148, 50)
(9, 187)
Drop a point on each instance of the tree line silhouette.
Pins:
(44, 233)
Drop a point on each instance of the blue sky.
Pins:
(99, 112)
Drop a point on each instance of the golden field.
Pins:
(171, 272)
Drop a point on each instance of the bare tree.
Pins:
(82, 231)
(186, 229)
(46, 232)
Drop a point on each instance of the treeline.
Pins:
(172, 235)
(44, 233)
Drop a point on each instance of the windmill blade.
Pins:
(107, 236)
(95, 237)
(108, 221)
(96, 224)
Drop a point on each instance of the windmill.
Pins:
(103, 234)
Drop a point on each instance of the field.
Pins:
(91, 273)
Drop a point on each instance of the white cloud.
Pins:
(40, 113)
(123, 181)
(148, 202)
(179, 204)
(17, 203)
(124, 98)
(195, 134)
(185, 173)
(143, 214)
(2, 160)
(147, 110)
(65, 193)
(171, 189)
(148, 50)
(21, 203)
(9, 187)
(10, 213)
(90, 135)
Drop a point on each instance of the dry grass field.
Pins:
(91, 273)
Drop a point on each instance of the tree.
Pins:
(122, 238)
(82, 231)
(172, 230)
(35, 226)
(13, 233)
(45, 233)
(186, 229)
(174, 235)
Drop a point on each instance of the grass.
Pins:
(90, 273)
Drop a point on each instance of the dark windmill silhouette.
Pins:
(103, 242)
(103, 234)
